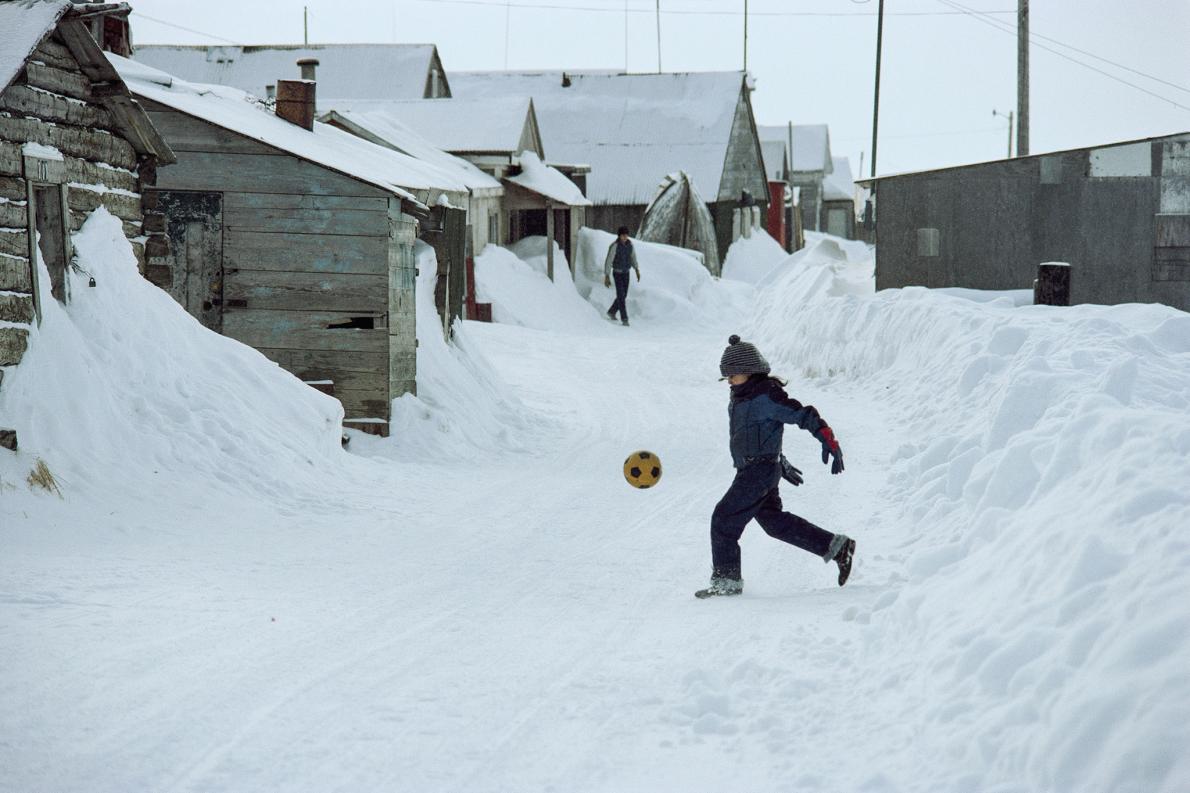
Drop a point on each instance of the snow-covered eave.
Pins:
(400, 192)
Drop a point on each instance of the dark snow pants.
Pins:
(754, 494)
(621, 304)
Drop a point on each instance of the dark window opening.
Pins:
(356, 323)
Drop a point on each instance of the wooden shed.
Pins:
(71, 139)
(291, 236)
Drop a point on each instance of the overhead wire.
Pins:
(188, 30)
(1011, 30)
(694, 12)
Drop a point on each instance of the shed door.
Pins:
(194, 224)
(836, 222)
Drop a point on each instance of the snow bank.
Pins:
(514, 281)
(462, 405)
(674, 288)
(753, 259)
(123, 381)
(1039, 559)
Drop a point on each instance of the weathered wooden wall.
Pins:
(307, 262)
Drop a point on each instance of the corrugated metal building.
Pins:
(1118, 213)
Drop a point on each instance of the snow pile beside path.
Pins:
(122, 388)
(753, 259)
(462, 405)
(1040, 556)
(675, 288)
(822, 268)
(514, 280)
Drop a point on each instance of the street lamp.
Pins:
(1009, 117)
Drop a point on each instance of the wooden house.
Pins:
(810, 163)
(632, 130)
(838, 200)
(293, 236)
(346, 71)
(1118, 214)
(500, 137)
(71, 139)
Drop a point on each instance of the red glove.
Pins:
(830, 448)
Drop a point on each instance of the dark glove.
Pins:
(607, 282)
(790, 474)
(830, 448)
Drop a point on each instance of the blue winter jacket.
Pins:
(759, 410)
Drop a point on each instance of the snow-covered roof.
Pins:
(345, 71)
(502, 125)
(632, 129)
(811, 145)
(325, 145)
(839, 185)
(24, 24)
(382, 128)
(549, 182)
(773, 152)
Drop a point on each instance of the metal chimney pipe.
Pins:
(307, 65)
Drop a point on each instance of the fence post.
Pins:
(1052, 287)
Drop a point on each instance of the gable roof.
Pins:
(502, 125)
(381, 128)
(345, 71)
(811, 145)
(330, 147)
(773, 152)
(839, 185)
(632, 129)
(24, 25)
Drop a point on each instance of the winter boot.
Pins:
(723, 583)
(624, 321)
(841, 552)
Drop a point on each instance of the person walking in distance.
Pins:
(621, 257)
(758, 411)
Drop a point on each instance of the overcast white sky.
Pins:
(943, 71)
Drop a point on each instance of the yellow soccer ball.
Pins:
(642, 469)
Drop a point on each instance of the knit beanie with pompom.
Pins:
(741, 357)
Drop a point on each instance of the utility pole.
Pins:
(1022, 78)
(625, 36)
(658, 36)
(876, 99)
(745, 35)
(1009, 117)
(306, 25)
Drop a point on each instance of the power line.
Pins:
(188, 30)
(1006, 28)
(693, 12)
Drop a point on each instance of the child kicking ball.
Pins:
(758, 410)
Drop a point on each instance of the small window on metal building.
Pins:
(1051, 170)
(928, 242)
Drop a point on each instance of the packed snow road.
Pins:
(522, 621)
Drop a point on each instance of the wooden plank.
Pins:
(11, 161)
(14, 243)
(15, 275)
(84, 172)
(187, 133)
(259, 173)
(24, 100)
(70, 83)
(122, 206)
(350, 222)
(363, 404)
(12, 188)
(307, 253)
(87, 144)
(290, 201)
(13, 215)
(300, 330)
(305, 291)
(56, 54)
(329, 365)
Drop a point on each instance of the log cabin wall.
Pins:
(312, 267)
